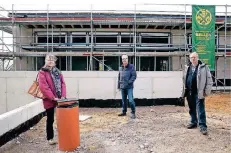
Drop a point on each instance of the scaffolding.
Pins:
(134, 22)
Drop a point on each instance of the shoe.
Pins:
(51, 142)
(122, 114)
(204, 131)
(133, 116)
(191, 126)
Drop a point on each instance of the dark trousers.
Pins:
(50, 121)
(128, 93)
(197, 107)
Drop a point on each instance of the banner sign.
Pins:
(203, 33)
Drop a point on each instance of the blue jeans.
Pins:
(128, 93)
(197, 107)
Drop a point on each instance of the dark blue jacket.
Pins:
(126, 77)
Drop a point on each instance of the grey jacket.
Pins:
(204, 80)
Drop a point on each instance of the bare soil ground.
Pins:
(157, 129)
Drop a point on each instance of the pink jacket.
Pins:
(46, 86)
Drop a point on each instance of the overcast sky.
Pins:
(103, 4)
(73, 5)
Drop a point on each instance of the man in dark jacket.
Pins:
(126, 78)
(197, 85)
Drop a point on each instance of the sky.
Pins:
(73, 5)
(109, 5)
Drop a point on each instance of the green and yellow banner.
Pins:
(203, 33)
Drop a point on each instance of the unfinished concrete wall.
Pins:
(221, 40)
(178, 63)
(221, 73)
(23, 36)
(178, 36)
(89, 85)
(13, 90)
(14, 118)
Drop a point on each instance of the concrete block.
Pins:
(16, 85)
(72, 87)
(24, 113)
(3, 100)
(16, 100)
(118, 94)
(143, 88)
(167, 88)
(166, 94)
(97, 88)
(13, 74)
(108, 74)
(168, 74)
(145, 74)
(31, 74)
(3, 124)
(177, 63)
(39, 105)
(14, 118)
(91, 85)
(80, 74)
(167, 84)
(159, 74)
(32, 110)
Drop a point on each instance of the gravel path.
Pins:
(157, 129)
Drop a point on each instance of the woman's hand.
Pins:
(56, 99)
(63, 97)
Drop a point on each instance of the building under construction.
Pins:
(94, 40)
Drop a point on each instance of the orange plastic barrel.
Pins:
(67, 115)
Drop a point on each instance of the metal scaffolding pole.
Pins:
(87, 63)
(20, 49)
(216, 59)
(225, 47)
(135, 35)
(52, 37)
(14, 59)
(185, 37)
(2, 40)
(100, 53)
(47, 25)
(7, 67)
(91, 62)
(66, 62)
(3, 64)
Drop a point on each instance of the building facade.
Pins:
(96, 41)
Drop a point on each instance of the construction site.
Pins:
(89, 43)
(94, 40)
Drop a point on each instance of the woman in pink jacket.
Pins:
(52, 85)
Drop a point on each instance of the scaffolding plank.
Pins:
(41, 54)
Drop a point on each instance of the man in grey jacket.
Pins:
(126, 78)
(197, 85)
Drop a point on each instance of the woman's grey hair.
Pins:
(50, 56)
